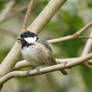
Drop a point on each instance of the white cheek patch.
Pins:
(30, 39)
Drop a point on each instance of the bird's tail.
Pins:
(64, 72)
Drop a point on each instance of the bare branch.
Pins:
(87, 45)
(45, 70)
(44, 17)
(24, 63)
(21, 64)
(87, 48)
(90, 62)
(29, 10)
(14, 13)
(66, 60)
(87, 65)
(8, 32)
(75, 35)
(7, 9)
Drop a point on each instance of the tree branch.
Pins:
(6, 10)
(87, 45)
(24, 63)
(44, 17)
(14, 13)
(75, 35)
(44, 70)
(29, 10)
(86, 49)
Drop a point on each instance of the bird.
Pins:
(37, 51)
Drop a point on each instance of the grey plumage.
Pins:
(51, 58)
(37, 52)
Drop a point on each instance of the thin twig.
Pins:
(29, 10)
(7, 9)
(8, 32)
(87, 48)
(85, 37)
(24, 63)
(90, 62)
(14, 13)
(88, 65)
(75, 35)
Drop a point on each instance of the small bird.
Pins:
(36, 50)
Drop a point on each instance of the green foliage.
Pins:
(89, 3)
(3, 53)
(2, 4)
(87, 76)
(72, 47)
(39, 6)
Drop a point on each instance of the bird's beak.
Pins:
(19, 39)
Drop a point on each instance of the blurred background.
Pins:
(69, 19)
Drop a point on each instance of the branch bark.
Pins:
(44, 17)
(45, 70)
(76, 35)
(6, 10)
(24, 63)
(86, 49)
(29, 10)
(87, 45)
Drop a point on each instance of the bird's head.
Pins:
(27, 38)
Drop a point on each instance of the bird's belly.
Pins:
(33, 56)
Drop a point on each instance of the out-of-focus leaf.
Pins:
(3, 53)
(87, 76)
(2, 4)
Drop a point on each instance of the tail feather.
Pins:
(64, 72)
(53, 62)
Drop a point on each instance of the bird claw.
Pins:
(38, 69)
(28, 71)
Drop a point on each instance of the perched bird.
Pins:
(36, 50)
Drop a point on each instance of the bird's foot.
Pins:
(28, 71)
(38, 69)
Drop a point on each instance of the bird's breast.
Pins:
(36, 55)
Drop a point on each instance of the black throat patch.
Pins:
(25, 44)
